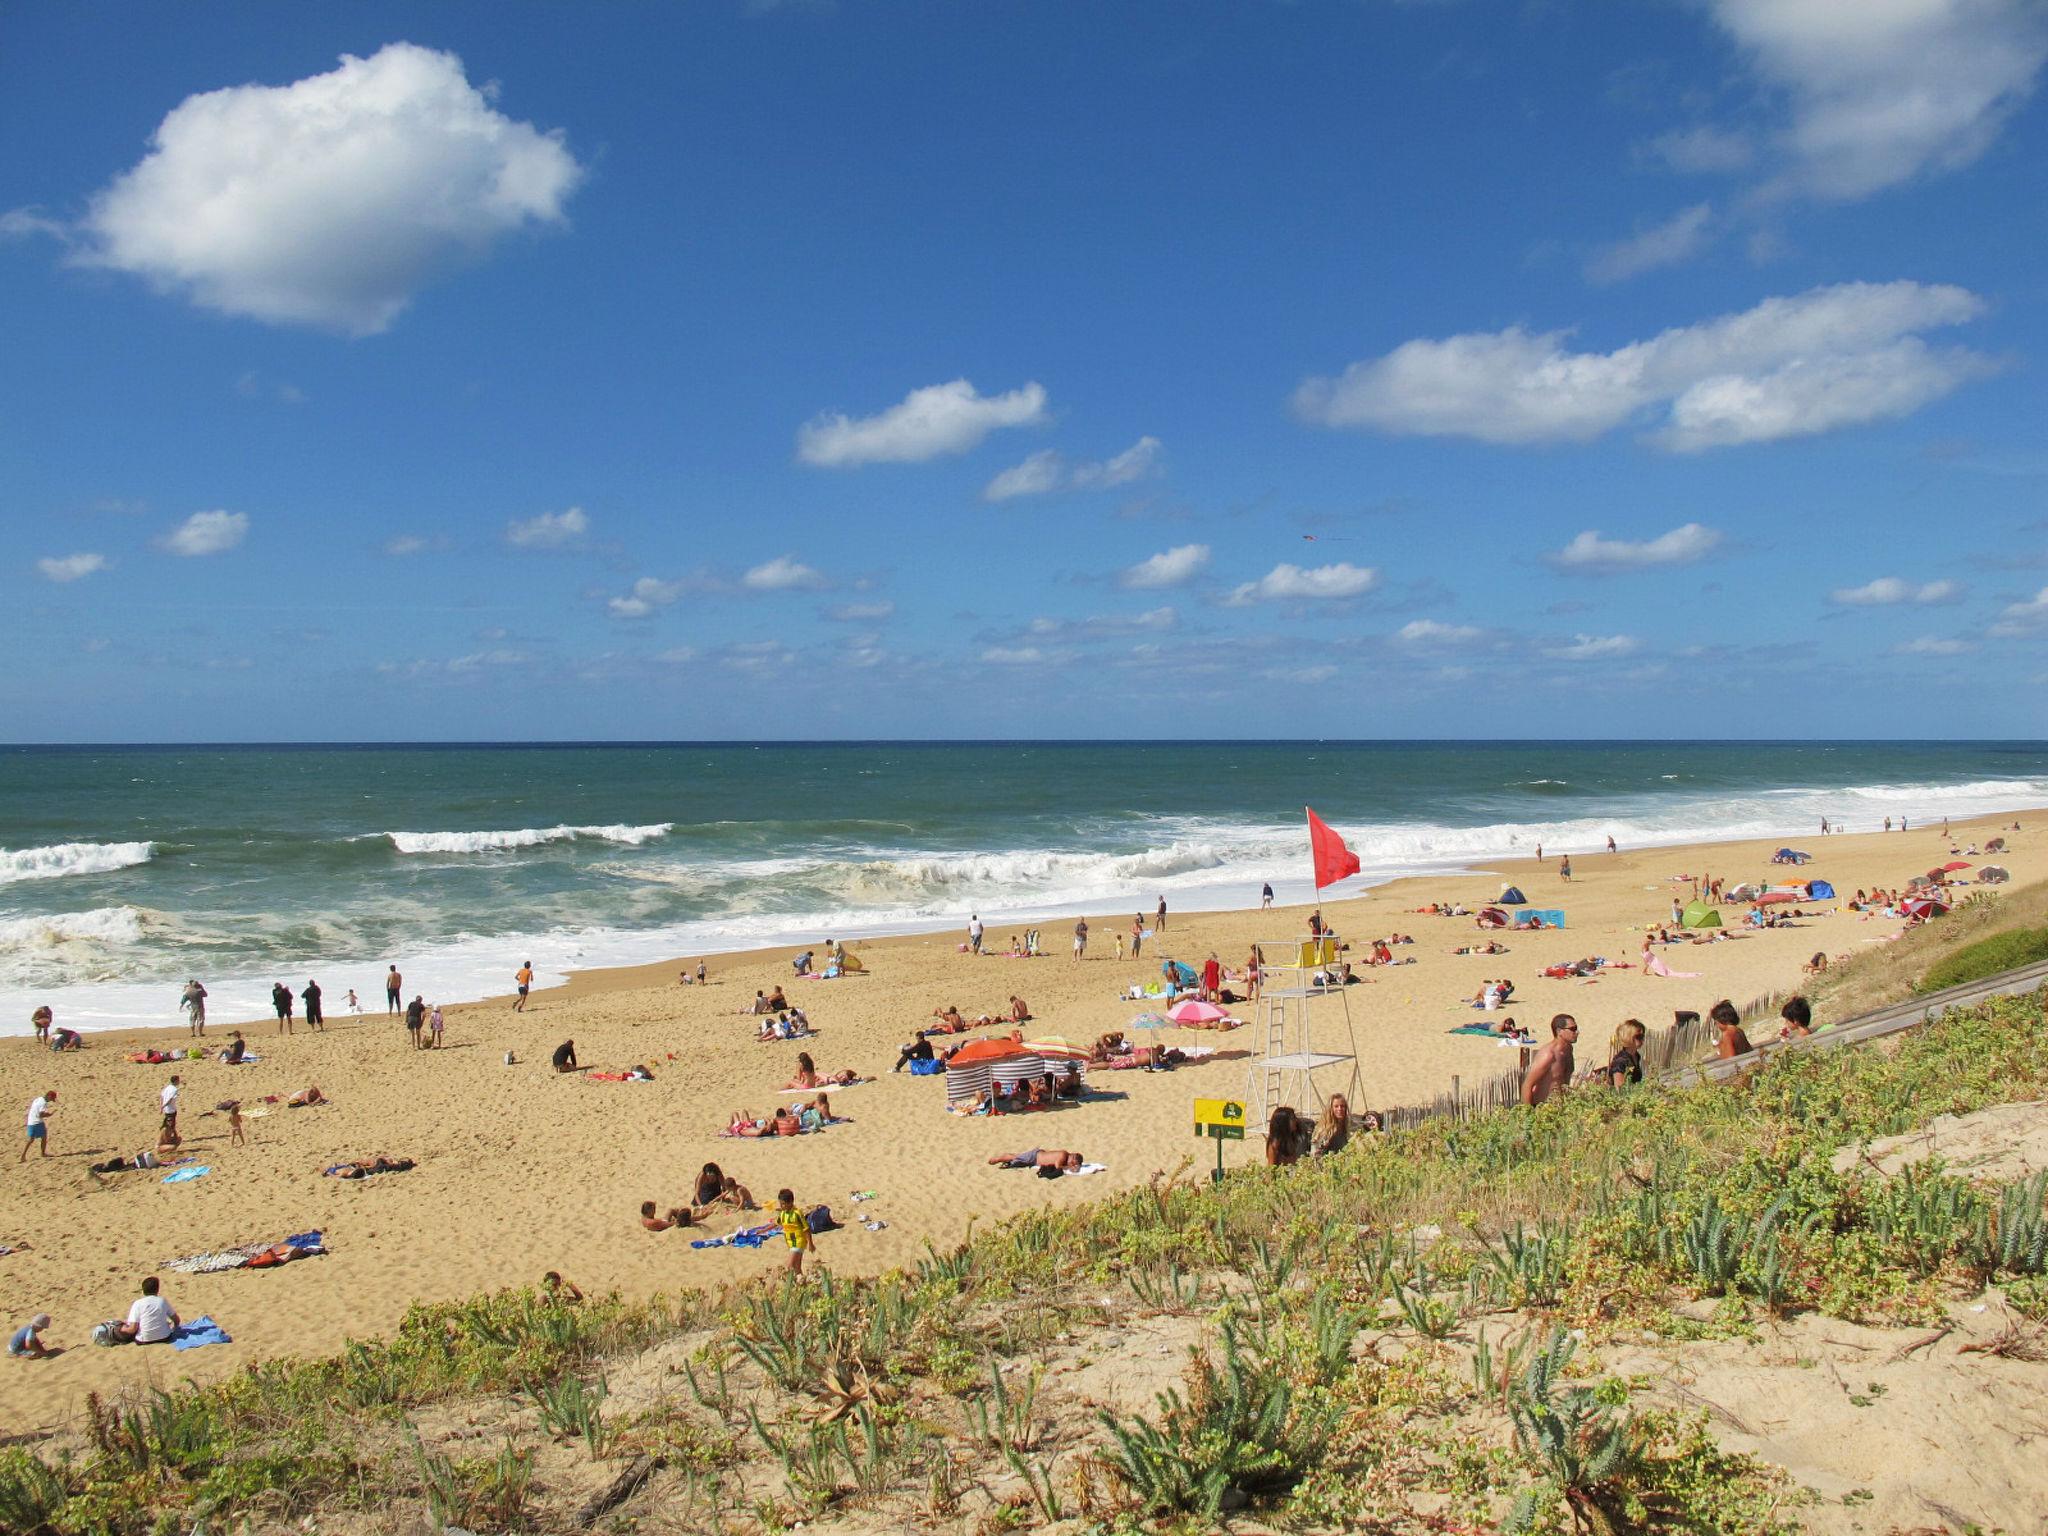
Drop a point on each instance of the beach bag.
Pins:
(108, 1333)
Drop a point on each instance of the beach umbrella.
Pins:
(1953, 865)
(975, 1052)
(1195, 1012)
(1994, 874)
(1151, 1021)
(1924, 906)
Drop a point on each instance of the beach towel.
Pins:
(746, 1237)
(199, 1333)
(829, 1088)
(1656, 967)
(186, 1175)
(300, 1245)
(1477, 1029)
(1087, 1168)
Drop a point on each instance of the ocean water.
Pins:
(124, 871)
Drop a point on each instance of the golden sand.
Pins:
(521, 1170)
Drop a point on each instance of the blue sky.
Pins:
(1007, 369)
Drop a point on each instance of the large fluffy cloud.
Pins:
(1882, 90)
(1832, 357)
(1294, 583)
(1683, 545)
(925, 424)
(1169, 568)
(328, 201)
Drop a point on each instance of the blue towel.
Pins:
(926, 1068)
(185, 1175)
(199, 1333)
(303, 1240)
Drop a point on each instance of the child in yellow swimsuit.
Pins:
(796, 1229)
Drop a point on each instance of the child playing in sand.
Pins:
(236, 1137)
(796, 1230)
(434, 1025)
(677, 1216)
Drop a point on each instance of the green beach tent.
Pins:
(1698, 914)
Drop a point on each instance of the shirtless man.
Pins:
(394, 988)
(1047, 1157)
(1551, 1068)
(1732, 1041)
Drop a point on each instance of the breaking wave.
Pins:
(71, 859)
(524, 837)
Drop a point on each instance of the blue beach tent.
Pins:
(1511, 896)
(1820, 890)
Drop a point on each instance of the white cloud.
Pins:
(862, 613)
(676, 655)
(1290, 582)
(1593, 648)
(70, 567)
(1431, 632)
(1933, 645)
(1047, 471)
(2023, 617)
(1681, 546)
(1831, 357)
(548, 530)
(1661, 245)
(1013, 655)
(926, 424)
(781, 574)
(1882, 91)
(1887, 590)
(207, 533)
(404, 544)
(22, 223)
(330, 201)
(1704, 150)
(1169, 568)
(647, 595)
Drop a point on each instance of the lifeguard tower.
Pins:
(1306, 1049)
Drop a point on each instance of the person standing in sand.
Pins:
(796, 1230)
(415, 1016)
(1266, 896)
(193, 1000)
(1551, 1067)
(167, 1101)
(314, 1016)
(1137, 935)
(434, 1027)
(1080, 938)
(394, 989)
(524, 977)
(1564, 869)
(974, 933)
(42, 1018)
(1159, 922)
(39, 1123)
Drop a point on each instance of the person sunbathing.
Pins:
(743, 1123)
(1038, 1157)
(950, 1017)
(640, 1074)
(676, 1216)
(808, 1075)
(1111, 1044)
(310, 1094)
(786, 1123)
(817, 1114)
(363, 1167)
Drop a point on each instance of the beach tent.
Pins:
(1511, 896)
(1698, 914)
(1820, 890)
(1790, 856)
(1492, 917)
(1994, 874)
(1540, 917)
(1749, 890)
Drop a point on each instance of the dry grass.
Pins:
(1881, 974)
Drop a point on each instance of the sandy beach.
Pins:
(520, 1170)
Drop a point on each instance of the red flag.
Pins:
(1333, 860)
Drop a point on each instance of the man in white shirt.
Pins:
(974, 932)
(169, 1099)
(150, 1320)
(38, 1128)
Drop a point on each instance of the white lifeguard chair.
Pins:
(1304, 1029)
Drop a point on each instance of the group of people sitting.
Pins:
(715, 1191)
(767, 1002)
(1587, 966)
(789, 1120)
(1290, 1136)
(790, 1024)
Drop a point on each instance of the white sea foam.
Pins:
(101, 926)
(523, 837)
(58, 859)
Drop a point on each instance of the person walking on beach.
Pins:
(524, 976)
(39, 1122)
(415, 1016)
(974, 933)
(1551, 1068)
(314, 1016)
(1564, 869)
(1159, 922)
(394, 988)
(1610, 842)
(1080, 938)
(796, 1230)
(42, 1018)
(1266, 897)
(167, 1101)
(193, 1000)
